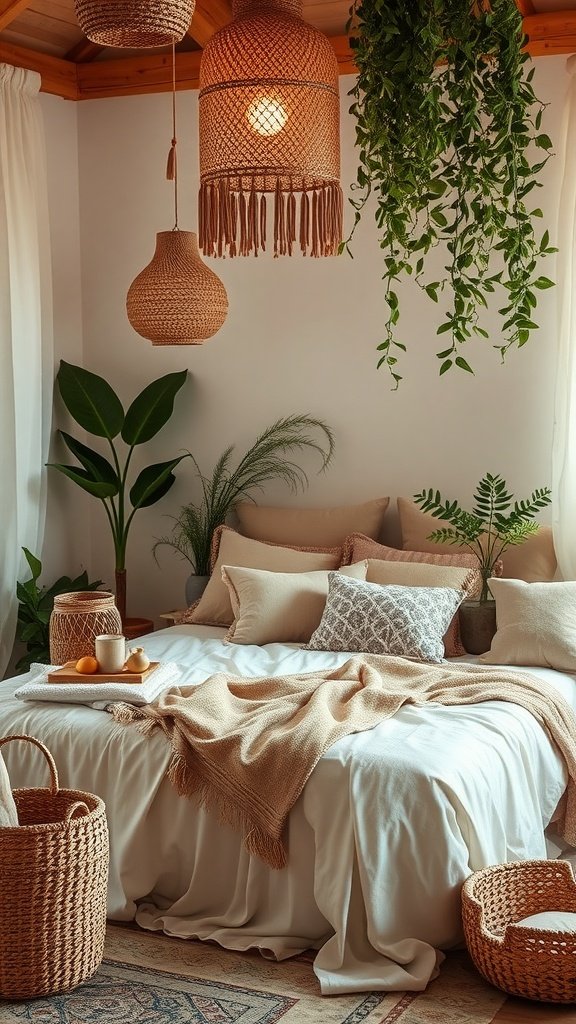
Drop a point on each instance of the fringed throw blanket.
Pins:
(247, 746)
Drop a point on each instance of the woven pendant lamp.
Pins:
(269, 127)
(138, 23)
(176, 299)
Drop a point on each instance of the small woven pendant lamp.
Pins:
(269, 124)
(138, 23)
(176, 299)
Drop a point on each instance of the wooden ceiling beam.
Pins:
(10, 9)
(208, 17)
(132, 76)
(58, 76)
(84, 51)
(550, 33)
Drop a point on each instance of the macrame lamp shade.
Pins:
(137, 23)
(177, 299)
(269, 125)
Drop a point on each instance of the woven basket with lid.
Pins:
(77, 619)
(53, 880)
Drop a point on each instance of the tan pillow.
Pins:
(534, 560)
(536, 624)
(278, 607)
(421, 574)
(358, 547)
(325, 527)
(214, 608)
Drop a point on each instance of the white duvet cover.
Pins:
(389, 825)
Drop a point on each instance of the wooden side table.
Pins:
(171, 618)
(133, 628)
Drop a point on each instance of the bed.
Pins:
(389, 825)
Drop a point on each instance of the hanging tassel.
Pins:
(314, 250)
(263, 222)
(253, 220)
(171, 162)
(277, 204)
(291, 220)
(304, 222)
(243, 225)
(233, 224)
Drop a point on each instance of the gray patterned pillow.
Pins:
(405, 621)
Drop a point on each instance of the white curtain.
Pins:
(26, 336)
(564, 443)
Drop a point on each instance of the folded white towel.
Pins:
(99, 695)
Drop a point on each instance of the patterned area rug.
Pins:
(151, 979)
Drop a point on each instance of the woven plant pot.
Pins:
(53, 880)
(137, 23)
(77, 619)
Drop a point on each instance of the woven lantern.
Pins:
(269, 126)
(138, 23)
(176, 299)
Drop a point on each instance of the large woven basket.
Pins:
(527, 962)
(53, 886)
(77, 619)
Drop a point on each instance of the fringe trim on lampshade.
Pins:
(234, 223)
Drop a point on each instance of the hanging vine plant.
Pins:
(446, 114)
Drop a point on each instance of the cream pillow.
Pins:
(278, 607)
(536, 624)
(214, 608)
(533, 560)
(323, 527)
(421, 574)
(550, 921)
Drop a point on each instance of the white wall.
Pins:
(300, 337)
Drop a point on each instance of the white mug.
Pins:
(110, 653)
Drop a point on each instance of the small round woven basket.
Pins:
(77, 619)
(53, 885)
(522, 961)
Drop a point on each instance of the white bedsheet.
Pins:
(389, 825)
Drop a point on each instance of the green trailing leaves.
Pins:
(495, 523)
(447, 128)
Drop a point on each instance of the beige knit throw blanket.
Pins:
(246, 747)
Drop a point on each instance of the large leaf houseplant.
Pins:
(95, 406)
(450, 144)
(271, 456)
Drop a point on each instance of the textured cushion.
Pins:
(536, 624)
(421, 574)
(534, 560)
(404, 621)
(278, 607)
(230, 548)
(324, 527)
(358, 547)
(551, 921)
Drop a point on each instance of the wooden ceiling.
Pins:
(43, 35)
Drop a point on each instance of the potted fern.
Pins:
(268, 458)
(495, 523)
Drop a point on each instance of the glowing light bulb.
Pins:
(266, 115)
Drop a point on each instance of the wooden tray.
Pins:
(68, 674)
